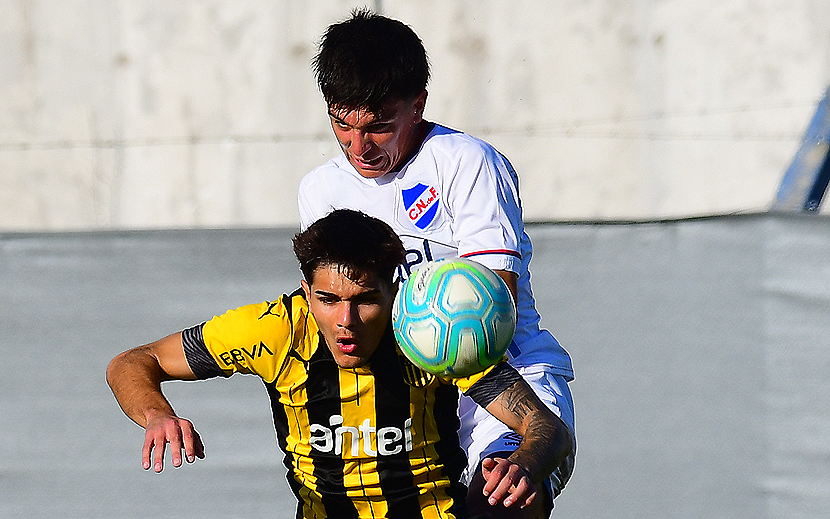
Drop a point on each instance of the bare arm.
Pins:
(135, 377)
(512, 280)
(545, 444)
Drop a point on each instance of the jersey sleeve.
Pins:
(312, 197)
(201, 362)
(493, 383)
(252, 339)
(483, 200)
(465, 384)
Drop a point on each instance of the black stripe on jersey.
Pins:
(323, 390)
(281, 427)
(493, 384)
(392, 409)
(200, 360)
(448, 448)
(323, 402)
(298, 292)
(413, 375)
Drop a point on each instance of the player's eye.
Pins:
(379, 128)
(369, 300)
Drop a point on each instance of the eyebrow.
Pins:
(335, 117)
(368, 293)
(379, 119)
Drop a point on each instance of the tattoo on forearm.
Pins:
(537, 450)
(542, 438)
(517, 402)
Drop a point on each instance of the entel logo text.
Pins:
(386, 441)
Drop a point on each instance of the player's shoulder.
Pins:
(458, 144)
(324, 173)
(444, 136)
(256, 338)
(291, 307)
(286, 310)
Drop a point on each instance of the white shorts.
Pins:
(481, 434)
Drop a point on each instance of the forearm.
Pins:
(135, 379)
(546, 440)
(545, 445)
(511, 279)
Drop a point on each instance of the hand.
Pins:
(179, 433)
(507, 482)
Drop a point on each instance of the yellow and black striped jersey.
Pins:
(376, 441)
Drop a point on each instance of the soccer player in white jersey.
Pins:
(446, 194)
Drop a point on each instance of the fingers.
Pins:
(179, 434)
(193, 446)
(147, 451)
(506, 483)
(522, 494)
(487, 464)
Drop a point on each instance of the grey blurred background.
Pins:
(701, 349)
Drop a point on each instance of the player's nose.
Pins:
(359, 143)
(346, 316)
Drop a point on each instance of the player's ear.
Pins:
(420, 104)
(306, 289)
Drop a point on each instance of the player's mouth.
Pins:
(372, 164)
(346, 344)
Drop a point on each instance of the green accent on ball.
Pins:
(453, 341)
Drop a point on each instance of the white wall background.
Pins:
(204, 113)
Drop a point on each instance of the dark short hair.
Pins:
(358, 244)
(368, 59)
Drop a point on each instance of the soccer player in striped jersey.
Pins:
(365, 433)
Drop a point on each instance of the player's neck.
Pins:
(424, 127)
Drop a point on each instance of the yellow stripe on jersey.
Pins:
(357, 405)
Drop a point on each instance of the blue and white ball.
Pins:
(454, 317)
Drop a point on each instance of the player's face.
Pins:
(376, 144)
(352, 317)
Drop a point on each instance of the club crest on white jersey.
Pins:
(421, 204)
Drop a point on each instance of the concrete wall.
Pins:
(148, 114)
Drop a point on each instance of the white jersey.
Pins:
(456, 197)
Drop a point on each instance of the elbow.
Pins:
(113, 369)
(558, 440)
(567, 443)
(130, 365)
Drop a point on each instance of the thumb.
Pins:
(487, 464)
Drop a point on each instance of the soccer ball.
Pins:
(453, 317)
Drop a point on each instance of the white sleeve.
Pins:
(311, 200)
(483, 199)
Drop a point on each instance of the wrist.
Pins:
(529, 468)
(154, 413)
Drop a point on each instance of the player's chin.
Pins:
(371, 173)
(371, 169)
(350, 361)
